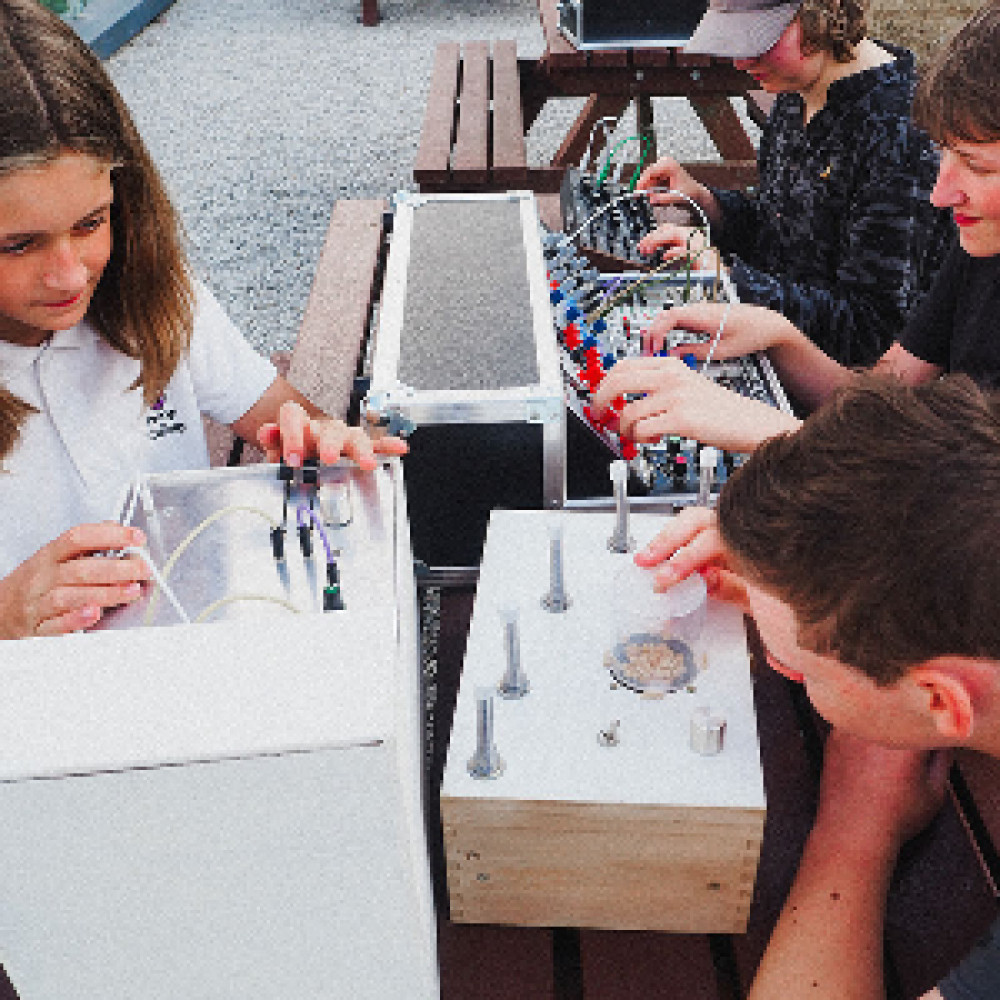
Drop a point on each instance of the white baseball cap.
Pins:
(741, 29)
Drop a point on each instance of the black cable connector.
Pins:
(285, 475)
(278, 542)
(332, 599)
(305, 540)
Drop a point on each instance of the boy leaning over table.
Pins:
(866, 545)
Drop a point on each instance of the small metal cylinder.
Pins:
(706, 477)
(514, 683)
(620, 540)
(486, 762)
(556, 600)
(708, 732)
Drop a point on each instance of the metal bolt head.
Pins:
(609, 737)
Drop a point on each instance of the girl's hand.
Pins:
(297, 436)
(690, 543)
(676, 400)
(747, 329)
(67, 584)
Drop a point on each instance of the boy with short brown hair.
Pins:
(866, 545)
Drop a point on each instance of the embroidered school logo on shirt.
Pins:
(161, 419)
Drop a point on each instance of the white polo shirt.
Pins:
(93, 434)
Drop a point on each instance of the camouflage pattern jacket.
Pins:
(841, 237)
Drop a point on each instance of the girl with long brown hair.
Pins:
(110, 350)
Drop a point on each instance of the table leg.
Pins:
(724, 126)
(369, 13)
(645, 129)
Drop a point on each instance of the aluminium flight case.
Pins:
(604, 24)
(466, 364)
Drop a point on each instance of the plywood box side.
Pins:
(672, 910)
(616, 867)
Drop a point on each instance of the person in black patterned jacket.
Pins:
(840, 236)
(954, 328)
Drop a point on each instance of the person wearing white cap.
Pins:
(840, 236)
(954, 328)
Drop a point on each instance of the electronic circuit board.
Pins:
(606, 218)
(599, 319)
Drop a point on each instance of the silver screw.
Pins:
(609, 737)
(486, 762)
(556, 600)
(514, 683)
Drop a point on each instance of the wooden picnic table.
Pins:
(483, 99)
(611, 78)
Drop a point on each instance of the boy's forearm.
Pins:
(827, 944)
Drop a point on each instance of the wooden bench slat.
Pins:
(690, 60)
(609, 58)
(578, 136)
(636, 965)
(557, 46)
(439, 116)
(759, 105)
(469, 155)
(510, 158)
(652, 57)
(335, 321)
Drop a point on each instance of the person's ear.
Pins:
(948, 697)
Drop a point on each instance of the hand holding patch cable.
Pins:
(676, 400)
(68, 583)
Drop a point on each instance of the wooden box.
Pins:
(646, 834)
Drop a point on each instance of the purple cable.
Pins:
(610, 290)
(303, 515)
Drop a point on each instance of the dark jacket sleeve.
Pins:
(857, 313)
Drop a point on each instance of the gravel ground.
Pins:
(261, 114)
